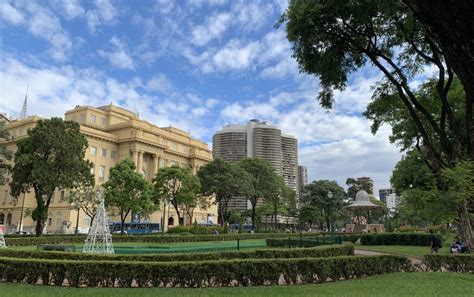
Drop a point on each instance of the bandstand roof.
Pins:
(362, 201)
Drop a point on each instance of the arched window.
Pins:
(170, 221)
(2, 218)
(9, 219)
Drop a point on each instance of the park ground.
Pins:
(394, 284)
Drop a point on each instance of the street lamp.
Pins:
(331, 218)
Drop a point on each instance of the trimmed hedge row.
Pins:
(452, 263)
(22, 241)
(196, 230)
(225, 273)
(301, 242)
(418, 239)
(323, 251)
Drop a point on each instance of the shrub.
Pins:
(195, 230)
(300, 241)
(419, 239)
(323, 251)
(452, 263)
(197, 274)
(52, 247)
(172, 238)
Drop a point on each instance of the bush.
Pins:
(301, 241)
(52, 247)
(452, 263)
(419, 239)
(195, 230)
(323, 251)
(197, 274)
(172, 238)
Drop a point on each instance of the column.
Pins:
(139, 162)
(135, 157)
(156, 161)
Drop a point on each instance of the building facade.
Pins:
(113, 134)
(258, 139)
(383, 194)
(392, 202)
(302, 179)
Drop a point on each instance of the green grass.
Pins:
(147, 247)
(406, 250)
(395, 284)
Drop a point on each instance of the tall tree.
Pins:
(5, 155)
(223, 180)
(332, 39)
(50, 158)
(178, 186)
(357, 185)
(311, 215)
(279, 199)
(317, 195)
(261, 178)
(128, 191)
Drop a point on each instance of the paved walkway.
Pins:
(361, 252)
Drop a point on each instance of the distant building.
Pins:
(392, 202)
(258, 139)
(302, 179)
(383, 194)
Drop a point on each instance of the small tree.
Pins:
(128, 191)
(310, 215)
(50, 158)
(87, 199)
(222, 179)
(260, 180)
(178, 186)
(279, 199)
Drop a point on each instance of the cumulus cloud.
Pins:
(213, 28)
(160, 83)
(104, 13)
(10, 14)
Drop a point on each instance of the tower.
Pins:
(23, 113)
(99, 239)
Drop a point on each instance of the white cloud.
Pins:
(119, 56)
(214, 26)
(70, 9)
(104, 13)
(251, 15)
(11, 14)
(160, 83)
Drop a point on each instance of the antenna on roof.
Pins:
(23, 113)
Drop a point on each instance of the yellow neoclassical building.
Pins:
(113, 134)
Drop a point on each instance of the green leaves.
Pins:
(128, 191)
(50, 158)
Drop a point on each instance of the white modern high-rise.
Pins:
(258, 139)
(392, 202)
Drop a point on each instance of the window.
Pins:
(61, 195)
(82, 118)
(93, 150)
(5, 197)
(50, 220)
(101, 173)
(102, 121)
(162, 163)
(93, 119)
(104, 152)
(92, 169)
(112, 154)
(174, 146)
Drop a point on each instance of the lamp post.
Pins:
(78, 209)
(331, 217)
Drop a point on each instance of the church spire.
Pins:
(23, 114)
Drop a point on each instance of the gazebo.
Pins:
(360, 211)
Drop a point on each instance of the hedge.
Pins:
(452, 263)
(301, 241)
(195, 230)
(418, 239)
(69, 239)
(226, 273)
(323, 251)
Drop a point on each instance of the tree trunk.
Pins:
(122, 226)
(465, 227)
(40, 223)
(254, 206)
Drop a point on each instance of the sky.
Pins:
(196, 65)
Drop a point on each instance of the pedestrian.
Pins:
(435, 242)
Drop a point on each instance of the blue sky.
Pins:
(193, 64)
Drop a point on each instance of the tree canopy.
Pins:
(356, 185)
(50, 158)
(5, 155)
(128, 191)
(178, 186)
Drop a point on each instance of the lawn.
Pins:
(395, 284)
(148, 247)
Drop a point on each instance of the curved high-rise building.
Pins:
(258, 139)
